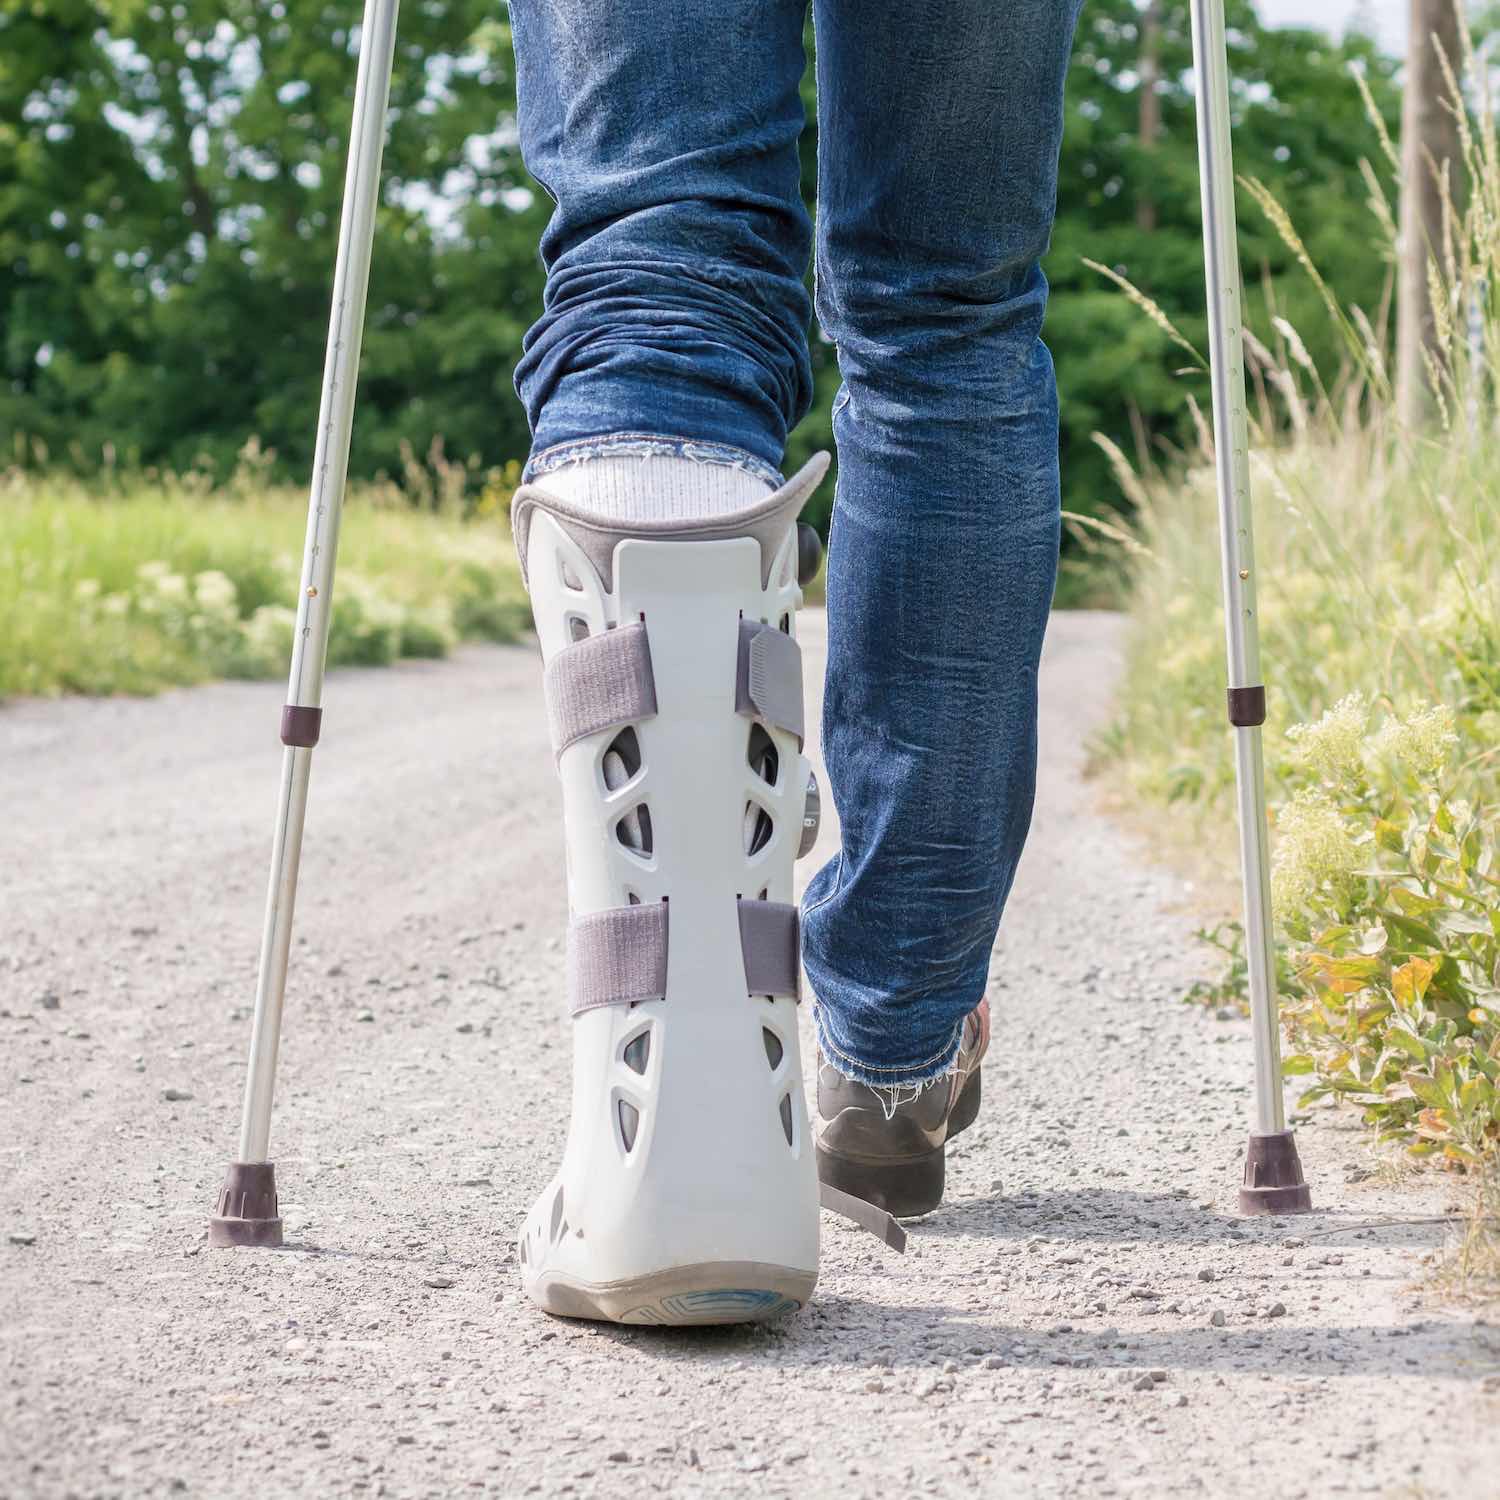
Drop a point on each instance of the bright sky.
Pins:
(1386, 17)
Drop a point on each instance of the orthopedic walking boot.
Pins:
(688, 1191)
(888, 1150)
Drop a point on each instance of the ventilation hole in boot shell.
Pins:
(634, 830)
(786, 1116)
(630, 1122)
(557, 1215)
(774, 1050)
(623, 757)
(620, 762)
(758, 828)
(761, 753)
(637, 1052)
(765, 762)
(578, 628)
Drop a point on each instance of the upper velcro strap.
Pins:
(617, 956)
(768, 681)
(601, 682)
(770, 941)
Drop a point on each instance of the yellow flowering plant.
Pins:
(1387, 890)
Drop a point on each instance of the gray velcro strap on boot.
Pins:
(617, 956)
(768, 682)
(601, 682)
(770, 941)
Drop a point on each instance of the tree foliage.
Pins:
(170, 173)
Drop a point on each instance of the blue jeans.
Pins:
(676, 318)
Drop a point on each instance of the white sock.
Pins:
(654, 487)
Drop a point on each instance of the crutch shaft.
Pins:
(1273, 1181)
(341, 363)
(247, 1211)
(275, 943)
(1232, 463)
(1269, 1112)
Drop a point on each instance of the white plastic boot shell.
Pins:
(688, 1189)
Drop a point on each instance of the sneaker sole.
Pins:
(714, 1292)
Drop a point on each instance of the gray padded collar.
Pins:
(765, 520)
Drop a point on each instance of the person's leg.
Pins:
(661, 379)
(940, 124)
(675, 315)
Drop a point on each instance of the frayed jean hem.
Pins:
(914, 1075)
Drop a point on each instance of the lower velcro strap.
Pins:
(770, 942)
(617, 956)
(768, 678)
(601, 682)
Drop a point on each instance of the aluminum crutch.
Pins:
(1273, 1182)
(247, 1211)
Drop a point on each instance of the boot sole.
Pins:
(907, 1186)
(713, 1292)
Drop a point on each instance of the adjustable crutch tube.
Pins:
(1273, 1181)
(247, 1212)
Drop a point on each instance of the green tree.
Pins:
(169, 199)
(170, 173)
(1299, 126)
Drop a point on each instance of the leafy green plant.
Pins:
(1388, 889)
(1379, 607)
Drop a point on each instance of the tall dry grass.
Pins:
(1379, 598)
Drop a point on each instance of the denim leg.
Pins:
(675, 309)
(939, 128)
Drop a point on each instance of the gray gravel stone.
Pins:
(395, 1395)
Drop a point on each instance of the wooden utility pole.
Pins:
(1150, 118)
(1429, 135)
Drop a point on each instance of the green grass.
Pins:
(1373, 577)
(138, 585)
(1379, 605)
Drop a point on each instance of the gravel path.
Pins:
(1101, 1326)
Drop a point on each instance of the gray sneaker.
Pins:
(894, 1158)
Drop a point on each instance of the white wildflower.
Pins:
(1420, 741)
(269, 632)
(166, 584)
(1333, 745)
(215, 593)
(1315, 853)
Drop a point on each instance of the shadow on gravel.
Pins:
(1130, 1217)
(849, 1330)
(336, 1252)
